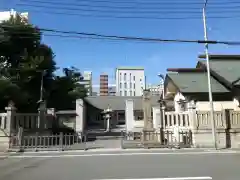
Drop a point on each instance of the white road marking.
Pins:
(119, 154)
(176, 178)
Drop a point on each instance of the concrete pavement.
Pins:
(123, 165)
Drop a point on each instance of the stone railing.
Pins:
(227, 128)
(203, 119)
(234, 118)
(223, 119)
(26, 121)
(176, 119)
(11, 121)
(138, 123)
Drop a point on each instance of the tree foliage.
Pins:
(24, 60)
(69, 84)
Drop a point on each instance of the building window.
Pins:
(134, 93)
(133, 78)
(134, 86)
(130, 93)
(125, 85)
(125, 93)
(120, 85)
(140, 80)
(130, 85)
(125, 76)
(120, 93)
(130, 77)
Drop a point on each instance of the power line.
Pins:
(129, 38)
(105, 11)
(112, 16)
(178, 15)
(111, 39)
(148, 3)
(59, 4)
(122, 10)
(163, 5)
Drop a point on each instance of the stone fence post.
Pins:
(10, 120)
(80, 116)
(192, 116)
(10, 127)
(129, 115)
(52, 122)
(193, 121)
(42, 111)
(156, 118)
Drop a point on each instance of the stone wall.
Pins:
(199, 122)
(227, 129)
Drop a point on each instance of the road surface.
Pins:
(122, 165)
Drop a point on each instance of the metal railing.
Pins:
(164, 139)
(85, 141)
(38, 142)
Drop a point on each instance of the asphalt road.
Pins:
(82, 166)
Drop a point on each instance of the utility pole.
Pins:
(41, 87)
(209, 77)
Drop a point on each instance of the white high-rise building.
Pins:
(87, 78)
(112, 90)
(6, 15)
(156, 90)
(130, 81)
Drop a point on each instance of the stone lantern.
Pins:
(107, 116)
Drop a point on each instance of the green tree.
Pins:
(66, 89)
(23, 59)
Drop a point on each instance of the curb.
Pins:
(122, 150)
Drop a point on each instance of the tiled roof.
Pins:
(227, 69)
(118, 102)
(195, 82)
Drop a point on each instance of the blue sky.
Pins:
(104, 56)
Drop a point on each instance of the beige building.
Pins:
(103, 85)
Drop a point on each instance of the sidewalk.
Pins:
(3, 151)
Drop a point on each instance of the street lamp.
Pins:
(107, 116)
(161, 76)
(43, 72)
(41, 87)
(162, 104)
